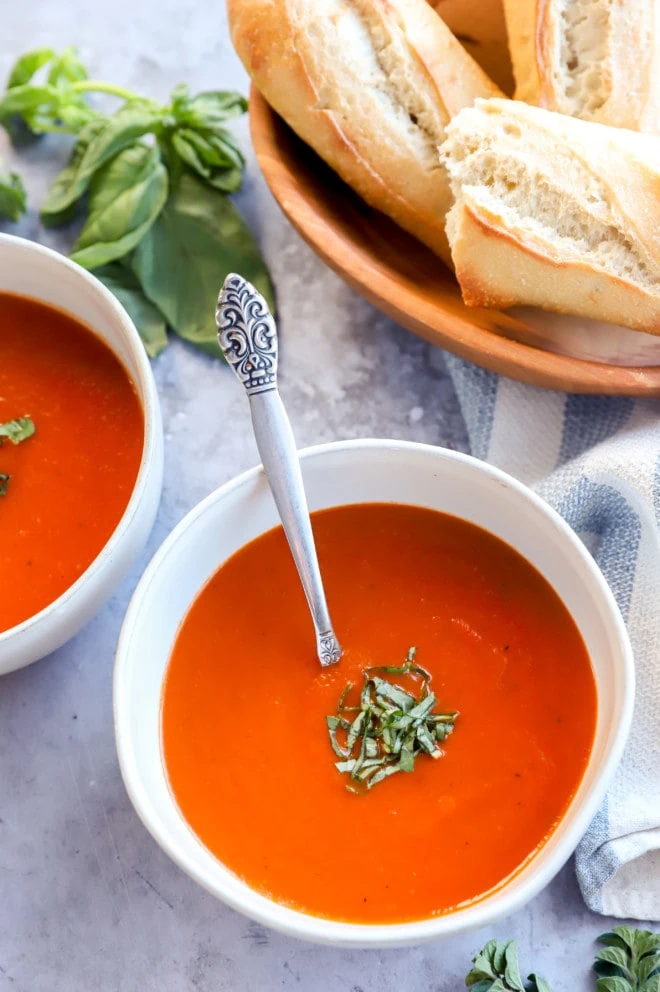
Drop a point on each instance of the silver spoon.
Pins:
(248, 339)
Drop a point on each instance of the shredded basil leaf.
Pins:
(392, 726)
(15, 431)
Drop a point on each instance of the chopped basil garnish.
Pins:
(15, 431)
(389, 728)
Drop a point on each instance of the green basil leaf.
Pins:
(24, 68)
(149, 321)
(216, 106)
(652, 984)
(135, 119)
(28, 109)
(67, 68)
(227, 180)
(63, 117)
(46, 107)
(22, 72)
(180, 99)
(187, 152)
(126, 196)
(26, 99)
(198, 239)
(206, 154)
(202, 142)
(52, 211)
(226, 148)
(13, 198)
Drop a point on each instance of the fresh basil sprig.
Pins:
(151, 182)
(496, 969)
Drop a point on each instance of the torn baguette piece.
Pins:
(594, 59)
(554, 212)
(370, 85)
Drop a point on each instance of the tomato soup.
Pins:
(69, 483)
(245, 701)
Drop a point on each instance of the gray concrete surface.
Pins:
(87, 900)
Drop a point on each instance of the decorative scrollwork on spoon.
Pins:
(327, 648)
(247, 335)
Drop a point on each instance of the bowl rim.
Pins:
(145, 388)
(359, 935)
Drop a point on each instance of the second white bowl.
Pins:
(336, 474)
(29, 269)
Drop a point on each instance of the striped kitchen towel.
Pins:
(596, 459)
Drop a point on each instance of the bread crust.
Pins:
(601, 64)
(497, 271)
(572, 189)
(370, 86)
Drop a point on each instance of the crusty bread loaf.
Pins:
(594, 59)
(555, 212)
(370, 85)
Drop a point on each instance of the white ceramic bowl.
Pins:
(31, 270)
(362, 472)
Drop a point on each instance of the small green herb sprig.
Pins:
(15, 431)
(391, 726)
(152, 184)
(629, 962)
(496, 969)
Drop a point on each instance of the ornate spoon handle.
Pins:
(248, 339)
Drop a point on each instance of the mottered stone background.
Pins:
(87, 900)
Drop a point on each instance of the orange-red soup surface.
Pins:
(244, 706)
(71, 482)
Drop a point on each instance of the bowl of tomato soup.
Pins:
(80, 448)
(437, 777)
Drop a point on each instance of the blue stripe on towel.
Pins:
(600, 510)
(594, 508)
(477, 389)
(596, 860)
(656, 489)
(588, 420)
